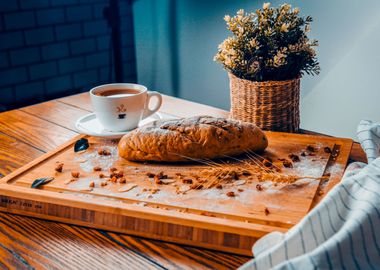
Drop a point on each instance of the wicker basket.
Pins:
(271, 105)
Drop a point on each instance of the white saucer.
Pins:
(90, 125)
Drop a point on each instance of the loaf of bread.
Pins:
(201, 137)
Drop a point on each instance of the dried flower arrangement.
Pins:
(270, 44)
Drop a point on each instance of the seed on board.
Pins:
(97, 169)
(91, 184)
(59, 167)
(310, 148)
(267, 163)
(187, 181)
(259, 187)
(113, 179)
(103, 183)
(157, 180)
(113, 169)
(101, 175)
(219, 186)
(155, 190)
(240, 189)
(103, 152)
(161, 175)
(122, 180)
(150, 175)
(266, 211)
(230, 194)
(287, 164)
(294, 157)
(75, 174)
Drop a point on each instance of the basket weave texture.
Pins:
(271, 105)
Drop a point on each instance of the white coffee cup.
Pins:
(121, 106)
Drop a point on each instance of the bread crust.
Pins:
(191, 138)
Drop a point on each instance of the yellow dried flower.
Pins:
(266, 5)
(284, 27)
(286, 7)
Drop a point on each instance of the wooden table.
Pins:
(27, 243)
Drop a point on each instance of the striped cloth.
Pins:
(343, 231)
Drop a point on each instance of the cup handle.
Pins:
(147, 111)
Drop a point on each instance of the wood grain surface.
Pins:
(28, 243)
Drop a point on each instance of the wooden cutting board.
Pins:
(172, 211)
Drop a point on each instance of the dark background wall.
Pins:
(52, 48)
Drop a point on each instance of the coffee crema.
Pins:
(117, 92)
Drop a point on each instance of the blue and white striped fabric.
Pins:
(343, 231)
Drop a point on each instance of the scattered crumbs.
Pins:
(266, 211)
(91, 184)
(101, 175)
(240, 189)
(97, 169)
(259, 187)
(219, 186)
(122, 180)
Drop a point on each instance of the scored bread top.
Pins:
(191, 138)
